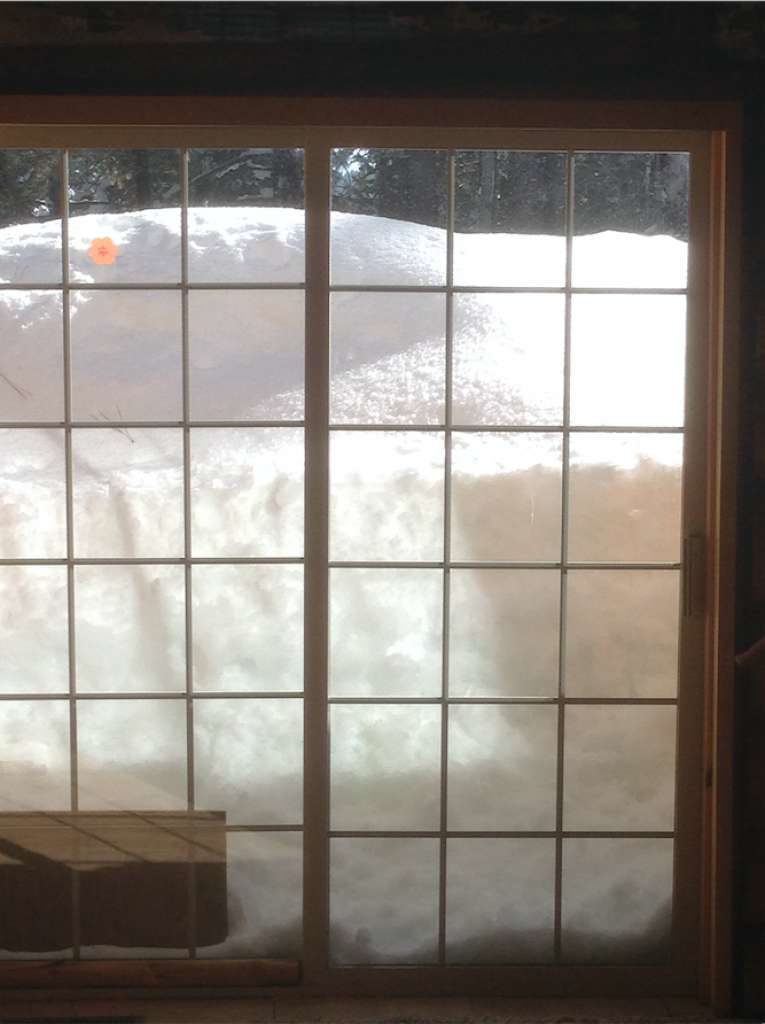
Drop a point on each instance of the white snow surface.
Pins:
(387, 495)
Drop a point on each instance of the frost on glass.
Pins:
(32, 367)
(246, 221)
(617, 900)
(619, 768)
(137, 614)
(264, 876)
(32, 498)
(507, 361)
(383, 901)
(34, 756)
(628, 360)
(124, 216)
(388, 358)
(503, 632)
(399, 748)
(30, 216)
(248, 759)
(500, 900)
(386, 495)
(132, 754)
(630, 220)
(510, 218)
(385, 632)
(625, 497)
(502, 767)
(126, 355)
(246, 354)
(400, 237)
(33, 629)
(506, 497)
(247, 492)
(128, 492)
(248, 627)
(622, 633)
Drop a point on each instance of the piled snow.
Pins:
(388, 367)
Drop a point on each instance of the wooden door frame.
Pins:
(35, 117)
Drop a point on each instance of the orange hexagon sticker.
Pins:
(103, 251)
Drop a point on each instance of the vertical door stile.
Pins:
(448, 351)
(697, 517)
(565, 447)
(316, 754)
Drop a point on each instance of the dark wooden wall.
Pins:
(689, 51)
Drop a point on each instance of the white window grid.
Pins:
(317, 561)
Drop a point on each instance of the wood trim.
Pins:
(149, 974)
(724, 318)
(290, 117)
(525, 981)
(311, 111)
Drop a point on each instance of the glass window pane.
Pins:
(33, 504)
(248, 759)
(383, 901)
(246, 354)
(386, 496)
(630, 220)
(624, 498)
(619, 769)
(389, 212)
(385, 632)
(247, 492)
(502, 767)
(32, 373)
(35, 888)
(628, 360)
(500, 900)
(246, 220)
(385, 766)
(30, 216)
(622, 633)
(510, 218)
(506, 497)
(33, 629)
(34, 756)
(125, 219)
(134, 879)
(128, 492)
(388, 358)
(503, 633)
(264, 875)
(248, 627)
(132, 754)
(617, 900)
(130, 626)
(126, 355)
(134, 904)
(507, 365)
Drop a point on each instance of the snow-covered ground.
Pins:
(387, 504)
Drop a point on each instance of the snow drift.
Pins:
(387, 504)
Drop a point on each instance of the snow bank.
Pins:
(388, 367)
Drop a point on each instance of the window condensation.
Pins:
(506, 376)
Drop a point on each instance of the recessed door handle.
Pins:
(694, 576)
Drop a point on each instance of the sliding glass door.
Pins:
(351, 494)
